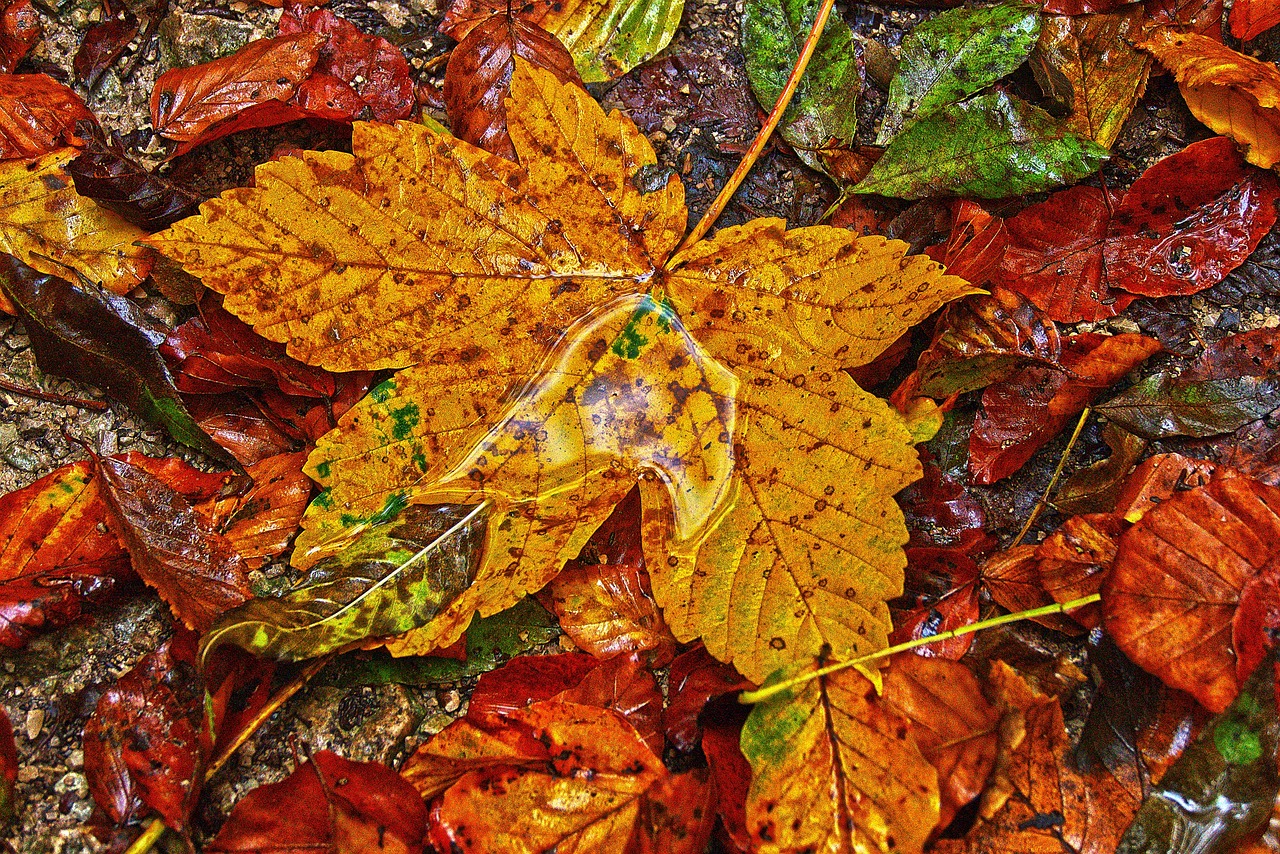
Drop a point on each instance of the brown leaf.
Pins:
(1075, 559)
(1177, 579)
(104, 173)
(1013, 579)
(175, 550)
(1019, 416)
(976, 245)
(103, 43)
(333, 805)
(1096, 488)
(477, 79)
(953, 723)
(37, 115)
(188, 105)
(19, 32)
(260, 523)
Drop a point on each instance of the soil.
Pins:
(50, 688)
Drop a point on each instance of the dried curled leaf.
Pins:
(641, 388)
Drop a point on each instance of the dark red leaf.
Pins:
(37, 115)
(102, 43)
(958, 607)
(142, 746)
(333, 805)
(19, 32)
(1256, 624)
(940, 512)
(104, 173)
(175, 550)
(1019, 416)
(477, 79)
(1082, 7)
(241, 427)
(8, 771)
(695, 679)
(731, 777)
(976, 246)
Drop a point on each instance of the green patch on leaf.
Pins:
(383, 390)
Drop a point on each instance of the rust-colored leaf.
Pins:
(261, 522)
(694, 679)
(38, 115)
(19, 32)
(1013, 579)
(1075, 559)
(1176, 583)
(1156, 479)
(477, 79)
(1251, 18)
(175, 550)
(1097, 488)
(1256, 624)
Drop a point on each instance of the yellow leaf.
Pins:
(558, 356)
(46, 224)
(833, 770)
(1235, 95)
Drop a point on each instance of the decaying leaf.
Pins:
(1097, 488)
(104, 173)
(695, 679)
(37, 115)
(834, 770)
(19, 31)
(1234, 94)
(1251, 18)
(1177, 579)
(517, 253)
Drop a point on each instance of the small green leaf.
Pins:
(992, 146)
(396, 577)
(1163, 405)
(823, 110)
(948, 58)
(1222, 789)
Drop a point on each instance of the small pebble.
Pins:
(27, 773)
(34, 723)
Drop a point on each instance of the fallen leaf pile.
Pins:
(474, 407)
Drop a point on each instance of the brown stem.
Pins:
(757, 146)
(1048, 490)
(52, 397)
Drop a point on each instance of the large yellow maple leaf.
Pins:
(554, 354)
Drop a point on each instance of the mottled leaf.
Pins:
(19, 32)
(991, 146)
(261, 522)
(950, 57)
(104, 173)
(37, 115)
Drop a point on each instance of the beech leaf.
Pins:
(19, 32)
(639, 383)
(37, 115)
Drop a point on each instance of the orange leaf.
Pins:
(261, 523)
(1177, 580)
(1157, 479)
(1234, 94)
(38, 115)
(1075, 559)
(1013, 579)
(1251, 18)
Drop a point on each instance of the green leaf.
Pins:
(823, 110)
(948, 58)
(1163, 405)
(992, 146)
(396, 577)
(1222, 789)
(85, 333)
(490, 641)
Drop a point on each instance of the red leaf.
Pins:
(54, 557)
(261, 522)
(240, 426)
(695, 679)
(1018, 417)
(1179, 573)
(175, 550)
(1251, 18)
(1075, 559)
(976, 246)
(102, 43)
(1082, 7)
(8, 771)
(19, 32)
(38, 115)
(477, 79)
(142, 746)
(1156, 479)
(372, 66)
(1256, 624)
(104, 173)
(731, 778)
(1199, 16)
(958, 607)
(333, 805)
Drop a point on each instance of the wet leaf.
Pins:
(1177, 579)
(195, 569)
(1156, 479)
(931, 616)
(395, 577)
(695, 679)
(1019, 416)
(950, 57)
(1256, 625)
(104, 173)
(102, 45)
(583, 770)
(477, 79)
(976, 244)
(1222, 790)
(54, 559)
(142, 745)
(1233, 94)
(1095, 489)
(1251, 18)
(88, 334)
(986, 339)
(1089, 64)
(606, 39)
(1075, 559)
(823, 111)
(414, 440)
(261, 522)
(246, 89)
(602, 598)
(334, 805)
(19, 32)
(1012, 577)
(37, 115)
(1235, 381)
(832, 769)
(951, 721)
(991, 146)
(56, 231)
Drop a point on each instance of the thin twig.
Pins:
(149, 837)
(762, 138)
(1053, 481)
(53, 397)
(768, 691)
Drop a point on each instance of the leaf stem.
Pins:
(52, 397)
(1053, 481)
(768, 691)
(149, 837)
(766, 131)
